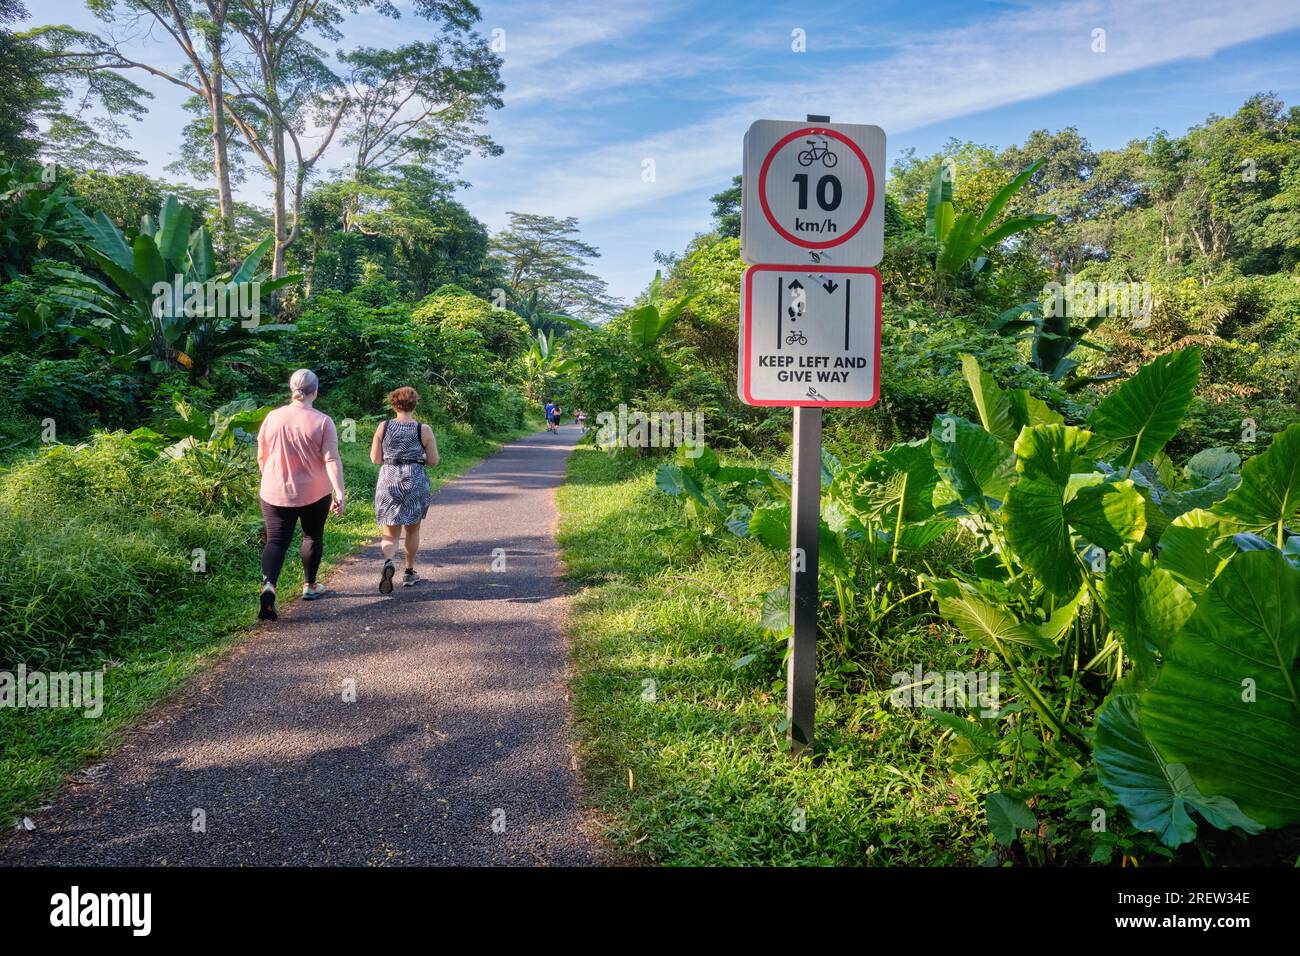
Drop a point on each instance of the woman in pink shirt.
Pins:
(298, 453)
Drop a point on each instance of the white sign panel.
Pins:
(810, 336)
(813, 193)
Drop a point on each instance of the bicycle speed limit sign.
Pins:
(813, 192)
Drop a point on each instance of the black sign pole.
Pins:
(805, 525)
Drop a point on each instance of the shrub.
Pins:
(503, 333)
(124, 534)
(79, 393)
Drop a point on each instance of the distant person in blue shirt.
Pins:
(550, 409)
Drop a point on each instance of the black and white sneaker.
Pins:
(386, 578)
(409, 578)
(267, 611)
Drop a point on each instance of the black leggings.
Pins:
(279, 535)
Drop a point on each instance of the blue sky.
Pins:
(594, 88)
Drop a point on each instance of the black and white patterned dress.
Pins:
(402, 493)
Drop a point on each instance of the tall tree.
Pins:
(198, 29)
(421, 104)
(543, 255)
(25, 94)
(726, 210)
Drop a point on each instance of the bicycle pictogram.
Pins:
(796, 338)
(818, 149)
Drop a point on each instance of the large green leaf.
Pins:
(981, 621)
(1014, 225)
(901, 476)
(108, 239)
(125, 279)
(1036, 528)
(1004, 411)
(999, 201)
(1175, 503)
(173, 232)
(674, 480)
(1051, 498)
(1108, 514)
(1156, 795)
(976, 464)
(203, 261)
(248, 268)
(1145, 605)
(938, 205)
(1269, 493)
(1033, 411)
(775, 613)
(1210, 464)
(1195, 546)
(770, 525)
(1052, 453)
(644, 324)
(1133, 422)
(1007, 816)
(996, 410)
(1225, 703)
(148, 264)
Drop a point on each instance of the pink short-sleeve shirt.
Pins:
(293, 445)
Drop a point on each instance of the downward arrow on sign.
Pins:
(830, 285)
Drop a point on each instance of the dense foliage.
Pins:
(1053, 482)
(1081, 477)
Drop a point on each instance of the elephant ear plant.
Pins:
(1107, 572)
(1148, 617)
(169, 303)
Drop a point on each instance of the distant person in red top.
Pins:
(298, 454)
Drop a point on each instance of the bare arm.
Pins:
(262, 451)
(377, 444)
(430, 446)
(333, 466)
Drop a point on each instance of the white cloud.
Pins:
(1026, 54)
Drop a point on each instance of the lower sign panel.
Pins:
(810, 336)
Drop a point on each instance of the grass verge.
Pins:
(39, 747)
(679, 703)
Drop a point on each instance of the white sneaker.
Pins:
(312, 592)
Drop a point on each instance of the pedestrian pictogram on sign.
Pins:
(810, 193)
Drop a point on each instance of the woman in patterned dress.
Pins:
(402, 447)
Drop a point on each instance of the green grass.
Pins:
(699, 774)
(39, 747)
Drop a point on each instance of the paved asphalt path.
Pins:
(460, 717)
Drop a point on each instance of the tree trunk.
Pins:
(217, 106)
(281, 224)
(221, 161)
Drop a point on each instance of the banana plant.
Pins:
(169, 302)
(534, 310)
(1053, 338)
(649, 322)
(542, 360)
(964, 241)
(215, 448)
(36, 218)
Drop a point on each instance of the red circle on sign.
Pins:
(866, 166)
